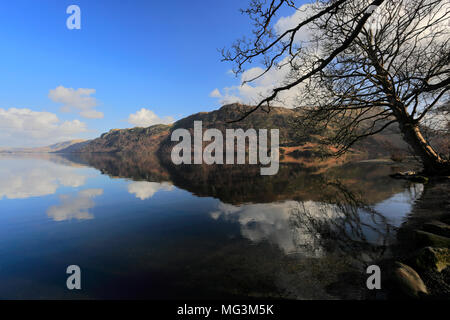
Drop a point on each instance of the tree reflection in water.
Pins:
(342, 223)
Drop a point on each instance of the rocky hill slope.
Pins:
(127, 140)
(157, 138)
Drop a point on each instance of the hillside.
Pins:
(278, 118)
(292, 147)
(127, 140)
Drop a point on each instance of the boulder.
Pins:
(433, 259)
(409, 281)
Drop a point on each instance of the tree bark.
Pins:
(432, 163)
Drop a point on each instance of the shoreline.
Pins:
(420, 265)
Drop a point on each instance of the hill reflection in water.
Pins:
(238, 184)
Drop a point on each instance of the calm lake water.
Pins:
(139, 230)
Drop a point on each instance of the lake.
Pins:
(139, 230)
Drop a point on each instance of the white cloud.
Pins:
(75, 207)
(78, 100)
(146, 118)
(91, 114)
(145, 190)
(252, 93)
(25, 127)
(286, 23)
(215, 94)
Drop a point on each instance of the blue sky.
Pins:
(158, 55)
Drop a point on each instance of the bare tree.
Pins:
(368, 65)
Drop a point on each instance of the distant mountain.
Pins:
(66, 145)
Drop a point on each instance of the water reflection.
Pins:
(311, 211)
(273, 223)
(217, 231)
(75, 207)
(400, 205)
(136, 166)
(239, 184)
(145, 190)
(22, 178)
(340, 223)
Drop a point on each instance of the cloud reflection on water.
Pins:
(75, 207)
(272, 222)
(145, 190)
(25, 178)
(314, 229)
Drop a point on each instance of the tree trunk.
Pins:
(433, 164)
